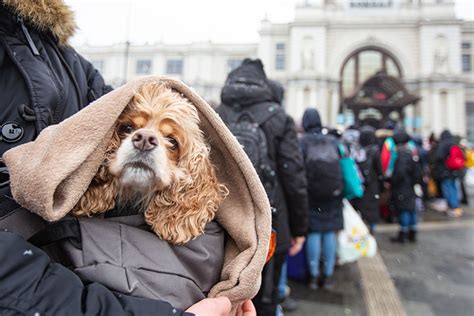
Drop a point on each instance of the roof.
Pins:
(381, 90)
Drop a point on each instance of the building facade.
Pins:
(330, 49)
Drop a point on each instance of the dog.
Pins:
(158, 159)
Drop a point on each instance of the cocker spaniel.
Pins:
(158, 159)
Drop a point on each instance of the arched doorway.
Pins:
(371, 84)
(363, 63)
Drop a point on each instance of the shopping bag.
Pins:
(297, 269)
(355, 240)
(432, 188)
(469, 186)
(352, 181)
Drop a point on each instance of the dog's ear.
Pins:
(180, 213)
(102, 191)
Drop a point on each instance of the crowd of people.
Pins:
(395, 169)
(301, 174)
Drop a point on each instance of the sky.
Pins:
(105, 22)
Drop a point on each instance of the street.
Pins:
(435, 276)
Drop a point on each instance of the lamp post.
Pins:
(126, 59)
(127, 41)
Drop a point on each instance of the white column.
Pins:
(335, 107)
(436, 117)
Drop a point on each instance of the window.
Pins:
(280, 46)
(470, 120)
(174, 66)
(466, 57)
(280, 62)
(466, 63)
(232, 64)
(98, 64)
(143, 67)
(280, 59)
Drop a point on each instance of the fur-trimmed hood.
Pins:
(49, 176)
(52, 16)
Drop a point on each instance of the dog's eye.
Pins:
(173, 142)
(126, 129)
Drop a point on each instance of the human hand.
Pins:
(219, 306)
(296, 245)
(246, 309)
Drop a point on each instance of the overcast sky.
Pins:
(103, 22)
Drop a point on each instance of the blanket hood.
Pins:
(48, 177)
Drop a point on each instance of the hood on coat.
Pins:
(401, 137)
(446, 136)
(247, 85)
(50, 175)
(312, 121)
(52, 16)
(367, 136)
(277, 90)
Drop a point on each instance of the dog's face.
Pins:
(158, 154)
(156, 132)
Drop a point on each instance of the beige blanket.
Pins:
(49, 175)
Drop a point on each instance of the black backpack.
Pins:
(323, 168)
(246, 127)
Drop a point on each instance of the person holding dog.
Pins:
(43, 81)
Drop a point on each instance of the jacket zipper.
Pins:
(32, 45)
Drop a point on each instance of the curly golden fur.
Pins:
(158, 156)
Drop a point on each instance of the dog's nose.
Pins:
(144, 140)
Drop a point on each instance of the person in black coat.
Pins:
(325, 213)
(247, 89)
(406, 174)
(446, 176)
(43, 81)
(371, 170)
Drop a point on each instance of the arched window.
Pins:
(362, 64)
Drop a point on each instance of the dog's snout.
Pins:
(144, 140)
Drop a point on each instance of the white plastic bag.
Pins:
(469, 186)
(355, 241)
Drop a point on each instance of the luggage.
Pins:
(456, 159)
(296, 266)
(247, 128)
(353, 187)
(323, 168)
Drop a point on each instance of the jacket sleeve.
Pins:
(291, 171)
(31, 285)
(95, 82)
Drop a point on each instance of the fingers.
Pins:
(219, 306)
(248, 308)
(223, 304)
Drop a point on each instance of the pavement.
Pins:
(435, 276)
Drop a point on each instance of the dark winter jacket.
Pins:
(248, 89)
(324, 215)
(32, 285)
(42, 79)
(42, 82)
(371, 170)
(442, 152)
(406, 174)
